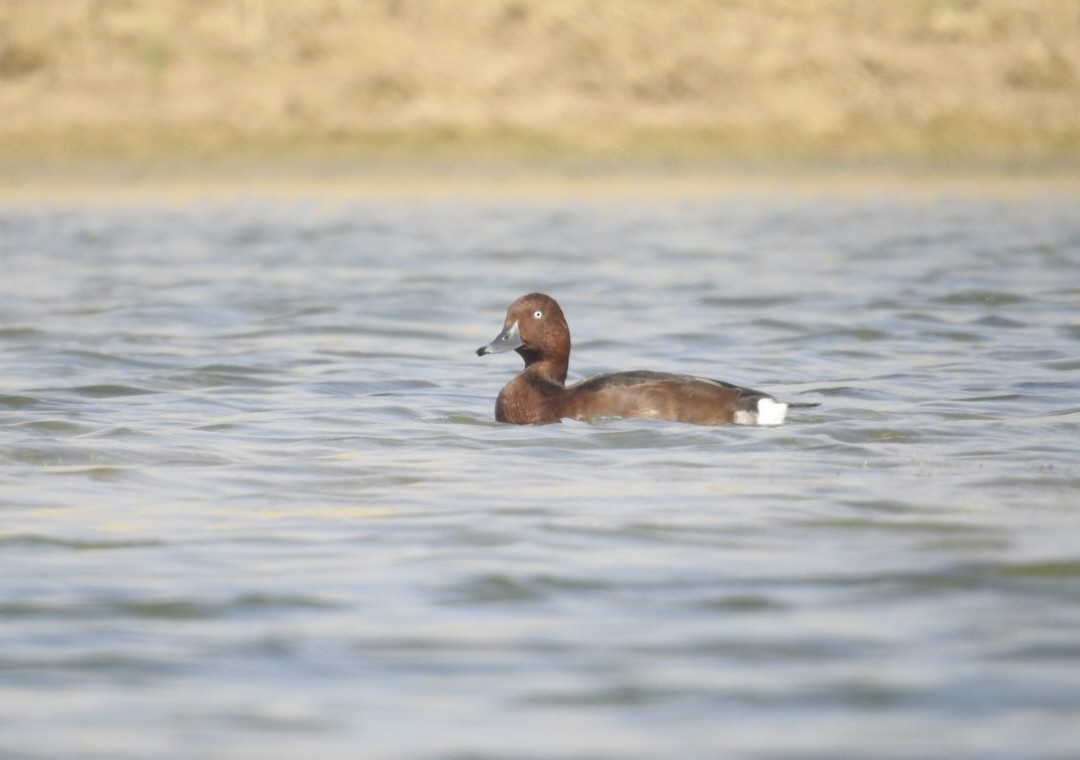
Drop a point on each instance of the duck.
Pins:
(536, 328)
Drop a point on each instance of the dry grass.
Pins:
(622, 79)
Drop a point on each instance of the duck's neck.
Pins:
(546, 367)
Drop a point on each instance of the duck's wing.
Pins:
(669, 396)
(648, 377)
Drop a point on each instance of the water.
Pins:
(253, 502)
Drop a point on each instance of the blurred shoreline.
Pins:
(111, 185)
(179, 89)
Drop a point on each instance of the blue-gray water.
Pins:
(253, 502)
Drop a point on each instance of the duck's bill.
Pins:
(507, 340)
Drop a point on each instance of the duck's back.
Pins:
(663, 395)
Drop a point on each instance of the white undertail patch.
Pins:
(769, 412)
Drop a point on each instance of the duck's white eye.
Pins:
(537, 314)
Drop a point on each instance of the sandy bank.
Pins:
(611, 80)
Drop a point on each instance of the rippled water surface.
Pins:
(253, 502)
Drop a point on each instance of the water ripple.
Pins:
(253, 500)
